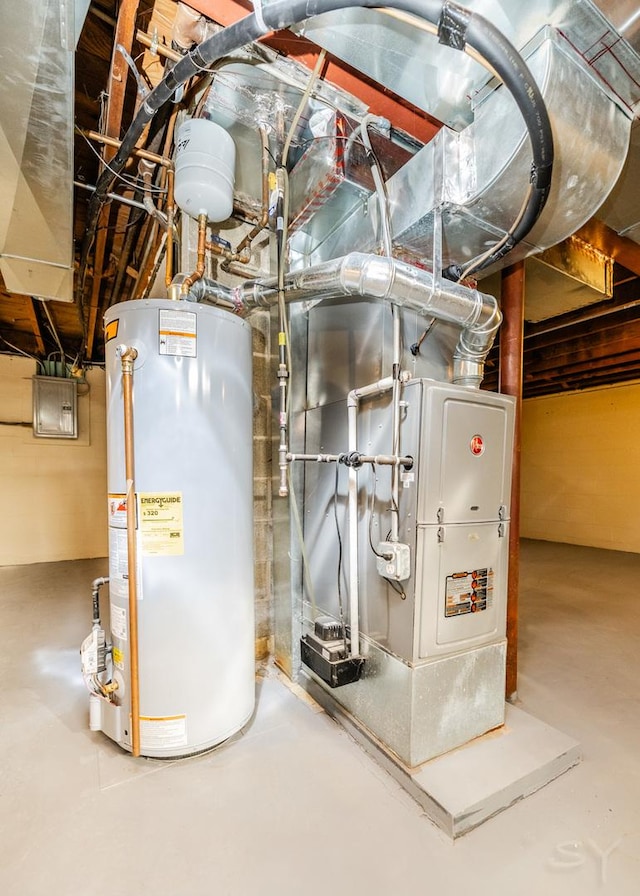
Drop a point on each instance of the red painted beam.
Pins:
(511, 350)
(381, 101)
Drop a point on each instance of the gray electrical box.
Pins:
(55, 407)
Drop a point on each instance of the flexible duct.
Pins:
(457, 27)
(383, 278)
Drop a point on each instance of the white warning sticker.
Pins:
(178, 334)
(119, 565)
(118, 511)
(163, 731)
(119, 628)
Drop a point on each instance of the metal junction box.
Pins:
(55, 407)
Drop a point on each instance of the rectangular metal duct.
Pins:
(36, 145)
(443, 82)
(477, 178)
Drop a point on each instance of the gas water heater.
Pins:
(192, 433)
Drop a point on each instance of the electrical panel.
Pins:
(55, 407)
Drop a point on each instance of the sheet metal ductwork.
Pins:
(393, 281)
(476, 179)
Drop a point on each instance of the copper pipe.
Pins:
(170, 219)
(141, 153)
(147, 41)
(202, 248)
(217, 249)
(127, 358)
(511, 354)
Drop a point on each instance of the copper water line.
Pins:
(141, 153)
(127, 358)
(170, 223)
(159, 49)
(188, 282)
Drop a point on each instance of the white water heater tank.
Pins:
(193, 413)
(204, 169)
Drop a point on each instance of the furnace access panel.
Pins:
(462, 539)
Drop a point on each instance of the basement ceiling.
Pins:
(576, 336)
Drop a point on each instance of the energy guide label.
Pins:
(177, 334)
(161, 527)
(468, 592)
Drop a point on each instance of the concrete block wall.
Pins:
(262, 503)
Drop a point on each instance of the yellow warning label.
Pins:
(282, 338)
(118, 658)
(160, 523)
(111, 330)
(160, 732)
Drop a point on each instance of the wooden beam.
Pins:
(620, 248)
(35, 324)
(116, 89)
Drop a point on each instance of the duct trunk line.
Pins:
(127, 357)
(383, 278)
(472, 32)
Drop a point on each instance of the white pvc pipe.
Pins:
(395, 422)
(353, 400)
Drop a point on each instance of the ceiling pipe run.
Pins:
(376, 277)
(456, 26)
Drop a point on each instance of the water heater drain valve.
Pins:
(393, 560)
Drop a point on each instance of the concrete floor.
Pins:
(294, 806)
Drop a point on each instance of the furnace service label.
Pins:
(468, 592)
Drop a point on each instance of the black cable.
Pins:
(397, 587)
(371, 506)
(456, 27)
(335, 516)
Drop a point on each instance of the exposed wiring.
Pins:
(129, 181)
(143, 90)
(335, 516)
(21, 352)
(114, 227)
(315, 74)
(306, 568)
(371, 507)
(381, 191)
(415, 348)
(395, 585)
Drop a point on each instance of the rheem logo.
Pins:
(476, 445)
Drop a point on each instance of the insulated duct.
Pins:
(382, 278)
